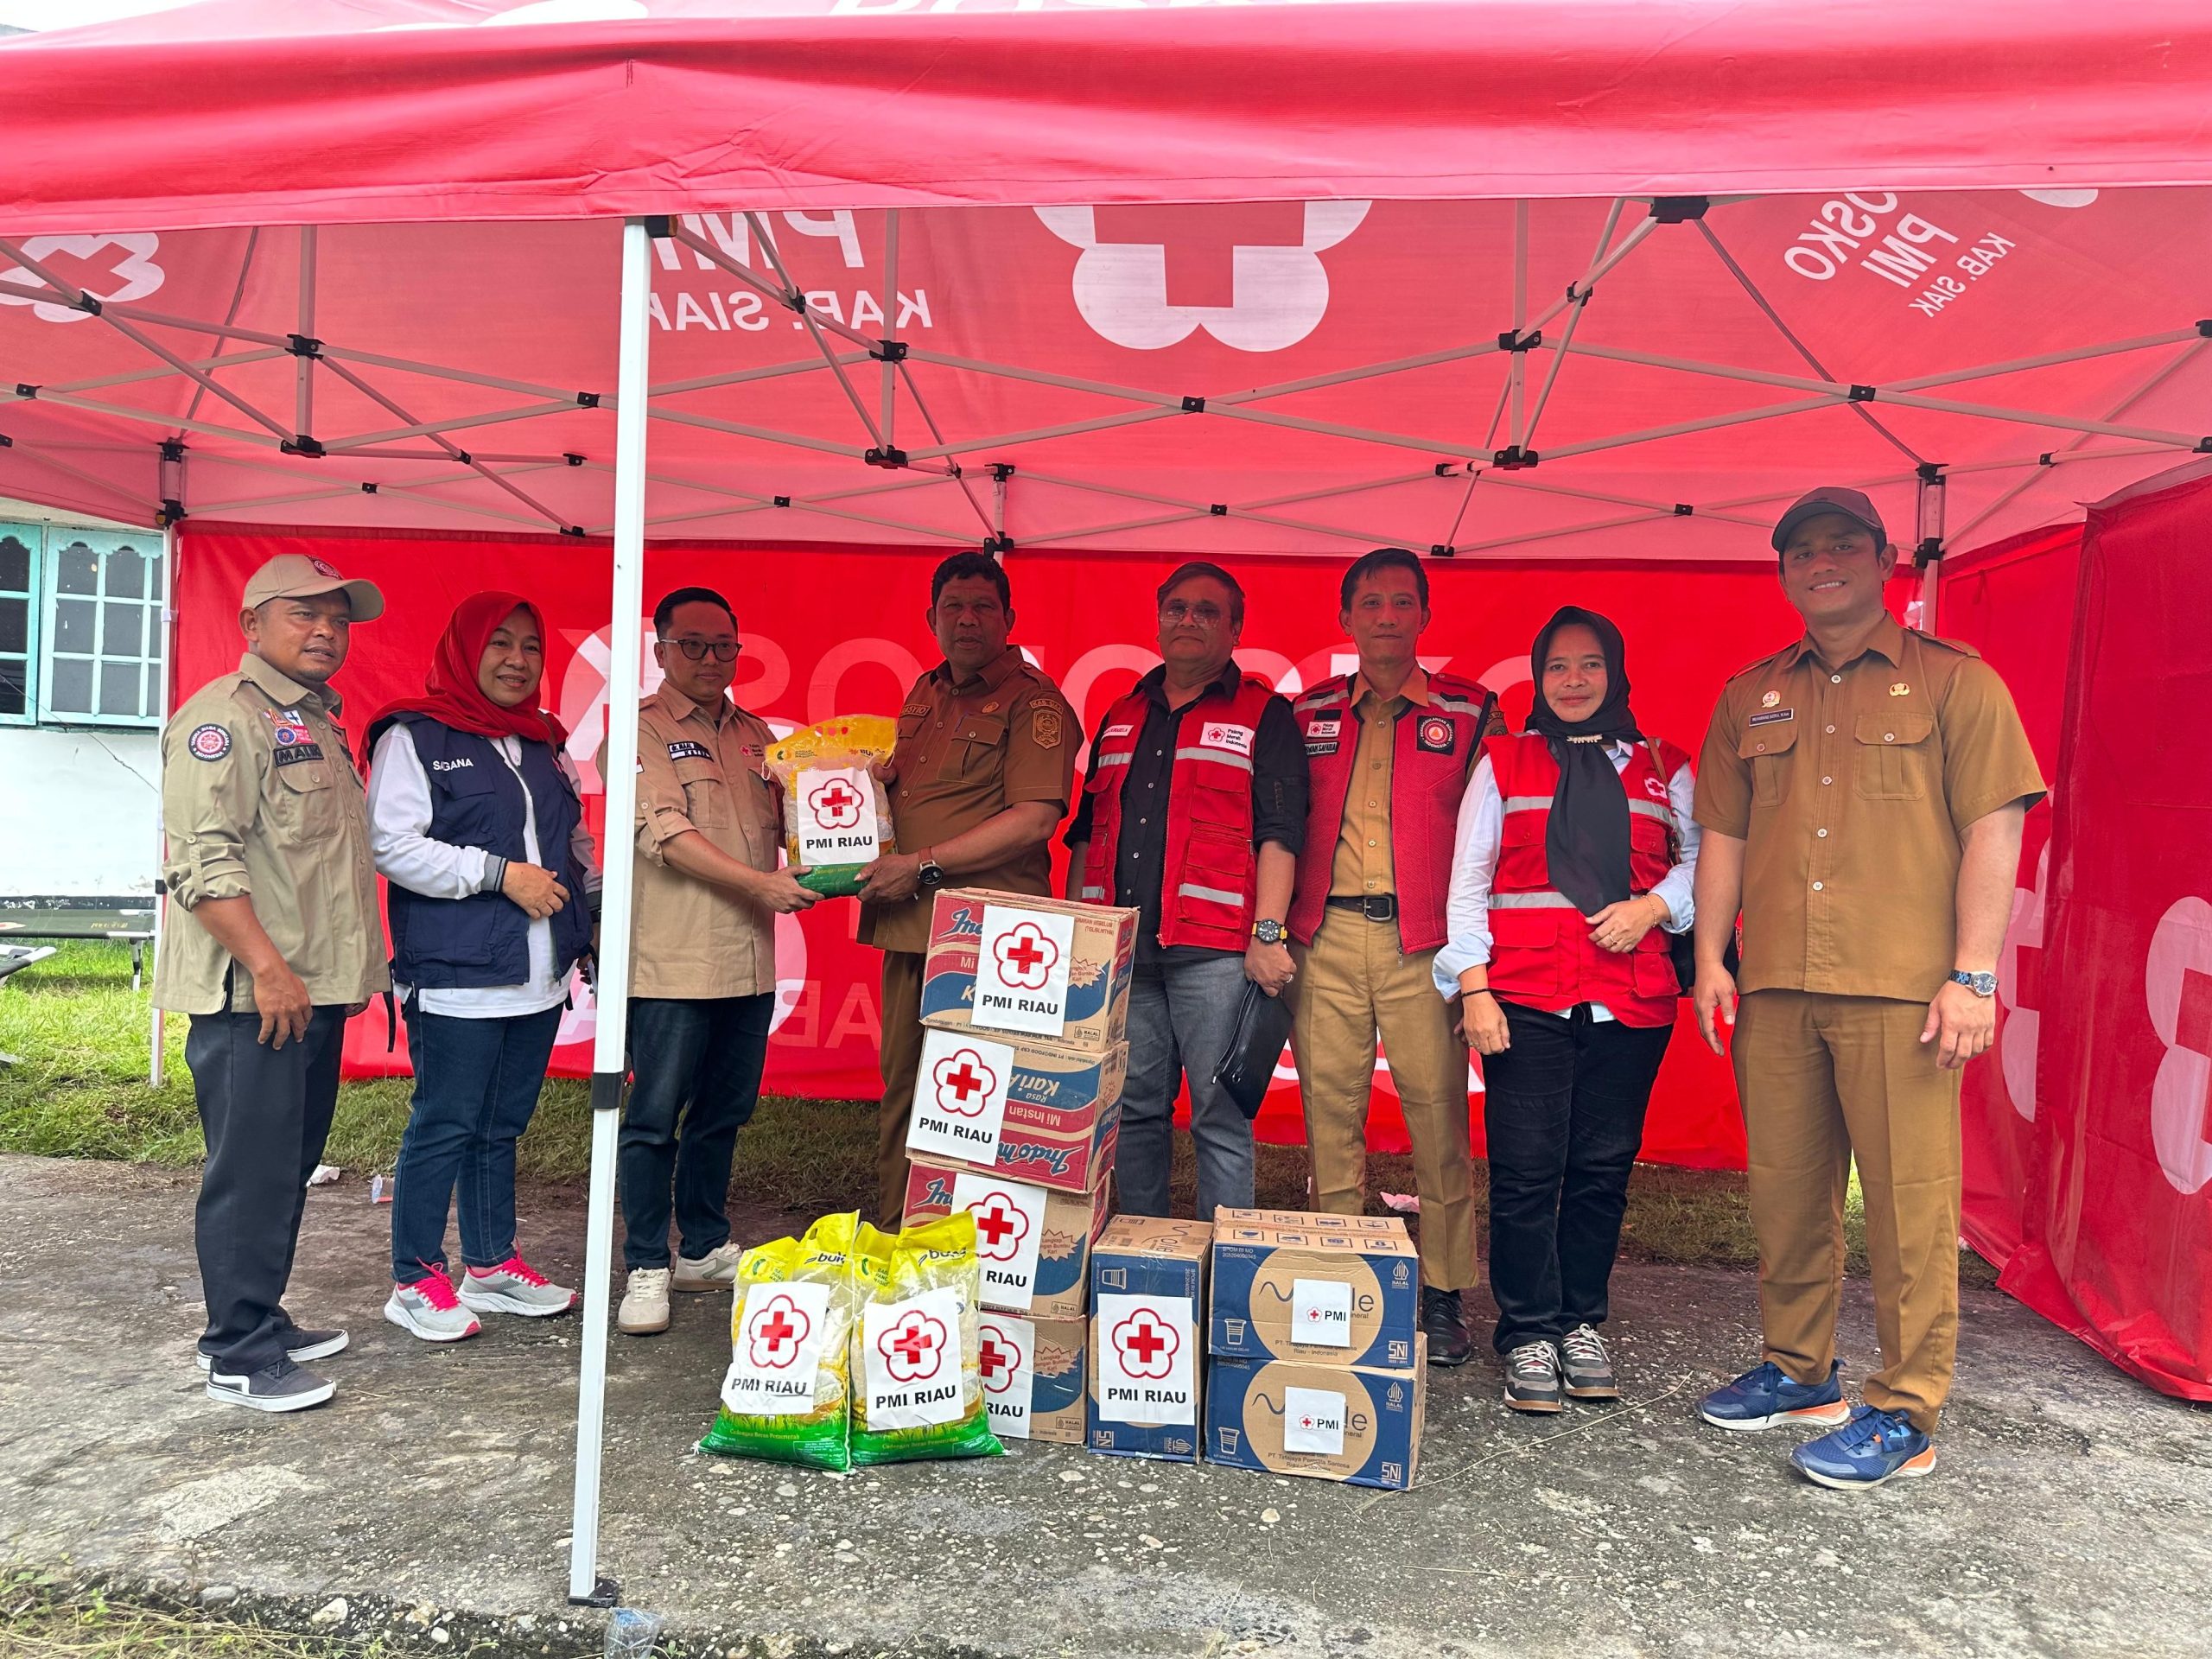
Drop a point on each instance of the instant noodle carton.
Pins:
(1148, 1278)
(1038, 1112)
(1033, 1242)
(1360, 1424)
(1045, 969)
(1325, 1293)
(1033, 1377)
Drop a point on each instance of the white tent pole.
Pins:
(303, 386)
(156, 1058)
(608, 1056)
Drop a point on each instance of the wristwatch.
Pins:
(1979, 984)
(931, 874)
(1269, 932)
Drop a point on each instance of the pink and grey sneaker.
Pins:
(514, 1287)
(429, 1309)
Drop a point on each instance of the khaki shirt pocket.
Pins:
(1767, 749)
(975, 749)
(303, 803)
(703, 794)
(1895, 759)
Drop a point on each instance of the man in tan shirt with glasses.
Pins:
(703, 982)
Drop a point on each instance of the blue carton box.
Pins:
(1358, 1424)
(1148, 1278)
(1317, 1290)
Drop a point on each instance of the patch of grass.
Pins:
(44, 1617)
(80, 1091)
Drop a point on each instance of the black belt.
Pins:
(1376, 906)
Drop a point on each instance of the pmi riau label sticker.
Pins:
(837, 816)
(1314, 1420)
(777, 1353)
(1005, 1354)
(1009, 1227)
(1320, 1312)
(909, 1356)
(960, 1097)
(1147, 1372)
(1021, 971)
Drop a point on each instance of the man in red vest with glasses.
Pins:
(1389, 748)
(1193, 814)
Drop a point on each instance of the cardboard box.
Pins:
(1146, 1372)
(1063, 977)
(1034, 1243)
(1316, 1221)
(1051, 1115)
(1033, 1377)
(1330, 1295)
(1360, 1424)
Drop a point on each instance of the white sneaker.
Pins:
(429, 1309)
(514, 1287)
(715, 1270)
(644, 1311)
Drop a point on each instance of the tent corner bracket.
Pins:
(303, 445)
(586, 400)
(303, 346)
(1442, 550)
(605, 1592)
(1679, 210)
(1514, 340)
(1514, 459)
(889, 351)
(1194, 405)
(885, 457)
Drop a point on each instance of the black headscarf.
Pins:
(1586, 839)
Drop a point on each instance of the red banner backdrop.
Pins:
(2118, 1226)
(842, 631)
(2014, 602)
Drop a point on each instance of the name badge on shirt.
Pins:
(293, 742)
(1326, 727)
(688, 750)
(1773, 714)
(1218, 734)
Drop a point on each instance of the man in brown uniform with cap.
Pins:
(982, 774)
(272, 942)
(1861, 793)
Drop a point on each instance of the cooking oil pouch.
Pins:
(787, 1394)
(918, 1379)
(836, 816)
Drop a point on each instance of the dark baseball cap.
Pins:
(1830, 498)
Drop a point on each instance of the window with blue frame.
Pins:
(81, 627)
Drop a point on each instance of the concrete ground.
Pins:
(2071, 1513)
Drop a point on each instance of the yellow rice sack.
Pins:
(918, 1386)
(836, 816)
(786, 1396)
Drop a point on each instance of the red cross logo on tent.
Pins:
(2178, 994)
(113, 267)
(1025, 957)
(774, 1332)
(999, 1227)
(913, 1348)
(963, 1083)
(836, 805)
(997, 1360)
(1146, 1344)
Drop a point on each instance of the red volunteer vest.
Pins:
(1209, 890)
(1542, 954)
(1432, 753)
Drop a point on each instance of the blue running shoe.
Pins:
(1871, 1448)
(1766, 1395)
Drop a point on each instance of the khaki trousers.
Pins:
(900, 1051)
(1352, 979)
(1825, 1079)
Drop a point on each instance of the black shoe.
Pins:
(1532, 1378)
(278, 1386)
(1588, 1368)
(1446, 1330)
(300, 1346)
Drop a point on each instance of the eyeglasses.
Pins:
(1206, 613)
(725, 650)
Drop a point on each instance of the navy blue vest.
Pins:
(477, 801)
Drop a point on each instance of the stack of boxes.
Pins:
(1317, 1365)
(1017, 1108)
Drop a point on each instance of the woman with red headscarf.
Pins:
(476, 824)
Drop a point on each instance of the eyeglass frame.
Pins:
(697, 650)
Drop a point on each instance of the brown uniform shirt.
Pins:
(967, 751)
(1851, 784)
(260, 800)
(694, 940)
(1362, 862)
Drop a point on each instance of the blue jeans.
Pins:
(1182, 1015)
(694, 1078)
(476, 1084)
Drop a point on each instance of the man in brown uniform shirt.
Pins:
(980, 775)
(272, 942)
(1862, 793)
(703, 980)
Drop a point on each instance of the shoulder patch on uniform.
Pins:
(1048, 700)
(688, 750)
(1044, 722)
(208, 742)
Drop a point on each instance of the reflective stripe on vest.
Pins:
(1543, 804)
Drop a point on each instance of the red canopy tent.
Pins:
(1534, 290)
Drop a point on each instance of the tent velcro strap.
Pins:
(660, 226)
(887, 456)
(606, 1091)
(303, 445)
(1678, 210)
(1514, 340)
(303, 346)
(1514, 459)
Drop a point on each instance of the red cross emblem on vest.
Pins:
(913, 1348)
(963, 1083)
(836, 805)
(999, 1227)
(775, 1332)
(1025, 957)
(1146, 1344)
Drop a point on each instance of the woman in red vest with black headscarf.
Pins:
(1573, 864)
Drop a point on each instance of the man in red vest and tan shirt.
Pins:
(1389, 749)
(1193, 814)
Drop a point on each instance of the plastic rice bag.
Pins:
(917, 1371)
(836, 816)
(788, 1393)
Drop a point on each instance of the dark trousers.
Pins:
(265, 1114)
(476, 1084)
(1563, 1110)
(694, 1078)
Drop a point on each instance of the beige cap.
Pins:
(296, 576)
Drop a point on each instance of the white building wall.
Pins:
(77, 812)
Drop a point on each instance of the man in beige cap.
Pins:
(271, 944)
